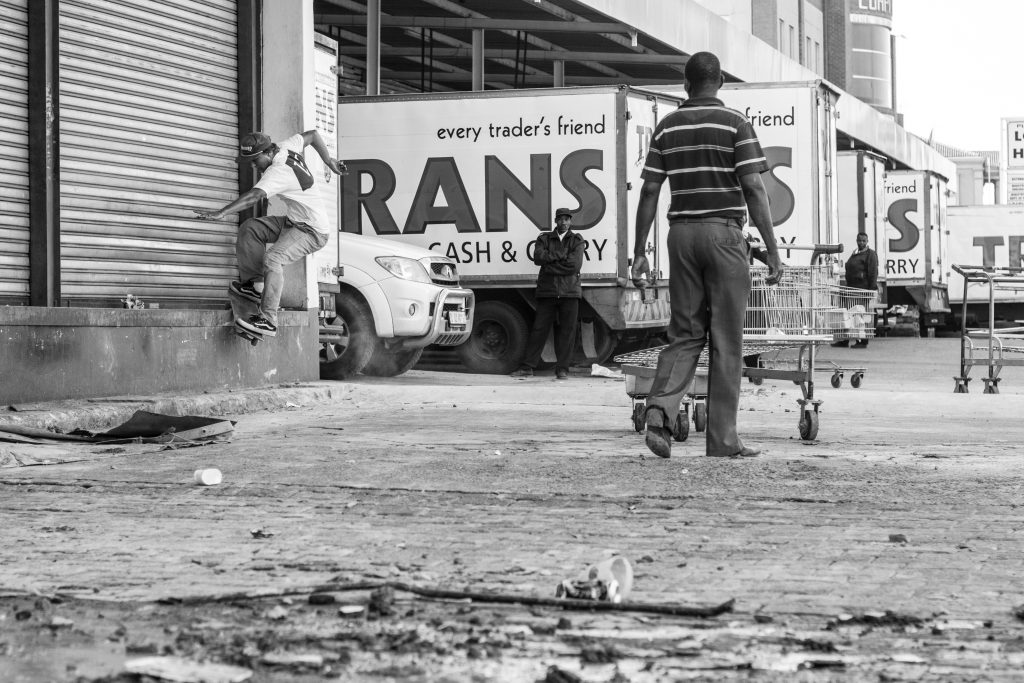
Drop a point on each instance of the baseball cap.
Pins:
(563, 212)
(252, 145)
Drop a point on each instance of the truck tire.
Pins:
(339, 361)
(498, 341)
(388, 363)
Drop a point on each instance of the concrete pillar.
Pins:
(289, 99)
(478, 59)
(559, 73)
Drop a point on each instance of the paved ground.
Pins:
(888, 549)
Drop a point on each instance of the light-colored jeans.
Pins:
(256, 262)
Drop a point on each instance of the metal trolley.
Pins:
(801, 312)
(993, 344)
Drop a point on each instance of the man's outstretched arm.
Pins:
(250, 198)
(311, 138)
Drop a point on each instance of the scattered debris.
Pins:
(260, 532)
(887, 618)
(186, 671)
(557, 675)
(382, 601)
(293, 659)
(210, 476)
(597, 370)
(897, 538)
(322, 599)
(351, 611)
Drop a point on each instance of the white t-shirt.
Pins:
(289, 178)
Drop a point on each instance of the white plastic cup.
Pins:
(207, 477)
(615, 569)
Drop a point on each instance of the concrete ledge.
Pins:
(103, 413)
(51, 354)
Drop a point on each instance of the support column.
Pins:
(559, 73)
(478, 59)
(373, 47)
(43, 153)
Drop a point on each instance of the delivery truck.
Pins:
(987, 236)
(796, 125)
(916, 264)
(860, 178)
(475, 177)
(381, 302)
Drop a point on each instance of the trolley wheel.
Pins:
(756, 381)
(855, 379)
(809, 425)
(682, 427)
(638, 417)
(700, 416)
(837, 380)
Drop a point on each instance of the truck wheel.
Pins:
(347, 357)
(498, 341)
(387, 363)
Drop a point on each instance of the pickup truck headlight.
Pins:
(405, 268)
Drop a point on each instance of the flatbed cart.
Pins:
(797, 313)
(988, 346)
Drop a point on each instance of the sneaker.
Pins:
(745, 452)
(860, 344)
(246, 290)
(257, 324)
(561, 373)
(523, 372)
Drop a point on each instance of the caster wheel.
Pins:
(837, 380)
(855, 379)
(756, 381)
(700, 416)
(809, 425)
(638, 417)
(681, 431)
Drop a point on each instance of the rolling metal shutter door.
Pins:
(149, 130)
(14, 231)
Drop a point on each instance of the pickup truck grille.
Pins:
(444, 273)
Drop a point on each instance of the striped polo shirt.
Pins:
(703, 148)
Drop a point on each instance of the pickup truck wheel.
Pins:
(386, 363)
(498, 341)
(343, 359)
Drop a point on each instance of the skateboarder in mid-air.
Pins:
(302, 230)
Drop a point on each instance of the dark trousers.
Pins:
(709, 282)
(564, 313)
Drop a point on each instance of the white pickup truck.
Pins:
(391, 301)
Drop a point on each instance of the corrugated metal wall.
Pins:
(148, 131)
(14, 233)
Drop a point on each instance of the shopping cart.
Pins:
(851, 317)
(991, 346)
(799, 313)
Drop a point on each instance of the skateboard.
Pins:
(243, 308)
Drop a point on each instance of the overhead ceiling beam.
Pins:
(530, 81)
(532, 40)
(565, 55)
(470, 23)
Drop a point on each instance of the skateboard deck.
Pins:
(243, 308)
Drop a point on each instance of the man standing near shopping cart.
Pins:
(713, 162)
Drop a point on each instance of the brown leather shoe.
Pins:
(658, 437)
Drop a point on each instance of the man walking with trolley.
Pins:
(713, 162)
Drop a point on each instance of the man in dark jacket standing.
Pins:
(559, 254)
(862, 273)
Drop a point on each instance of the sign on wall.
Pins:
(1011, 163)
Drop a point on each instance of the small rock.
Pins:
(897, 538)
(321, 599)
